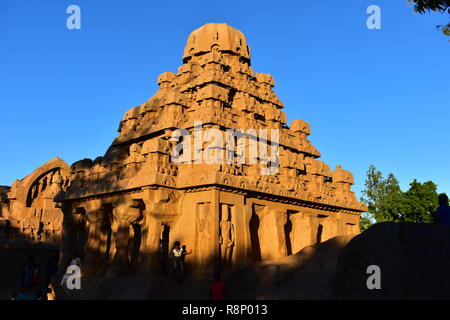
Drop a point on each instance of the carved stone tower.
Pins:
(208, 161)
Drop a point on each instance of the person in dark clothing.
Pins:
(183, 257)
(443, 211)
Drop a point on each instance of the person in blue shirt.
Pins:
(443, 211)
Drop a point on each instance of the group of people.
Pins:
(31, 275)
(32, 291)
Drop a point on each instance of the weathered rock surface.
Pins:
(414, 261)
(308, 274)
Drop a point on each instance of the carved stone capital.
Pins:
(127, 210)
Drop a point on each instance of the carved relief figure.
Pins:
(55, 184)
(226, 235)
(203, 231)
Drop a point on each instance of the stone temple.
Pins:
(122, 212)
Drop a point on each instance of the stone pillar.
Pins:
(281, 220)
(126, 211)
(271, 233)
(330, 227)
(94, 216)
(122, 242)
(341, 226)
(304, 231)
(152, 228)
(152, 240)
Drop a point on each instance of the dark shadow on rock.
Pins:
(308, 274)
(413, 258)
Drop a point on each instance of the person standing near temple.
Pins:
(177, 258)
(183, 257)
(443, 211)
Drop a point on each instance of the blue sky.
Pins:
(371, 96)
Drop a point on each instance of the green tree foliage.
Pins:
(387, 202)
(422, 6)
(381, 195)
(420, 202)
(365, 221)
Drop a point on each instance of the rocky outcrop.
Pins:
(413, 258)
(308, 274)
